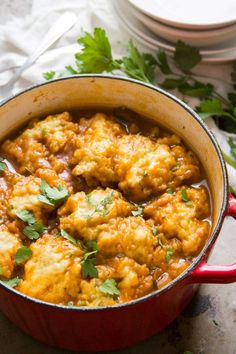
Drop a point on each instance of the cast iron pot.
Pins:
(107, 328)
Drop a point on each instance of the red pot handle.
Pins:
(205, 273)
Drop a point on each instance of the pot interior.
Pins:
(109, 92)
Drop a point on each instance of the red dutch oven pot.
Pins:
(107, 328)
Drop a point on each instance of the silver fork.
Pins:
(62, 25)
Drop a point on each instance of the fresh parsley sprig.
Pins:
(109, 287)
(34, 229)
(52, 195)
(23, 254)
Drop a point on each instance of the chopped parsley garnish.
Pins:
(170, 191)
(160, 242)
(26, 216)
(137, 212)
(52, 195)
(34, 231)
(109, 287)
(92, 245)
(145, 174)
(68, 237)
(169, 254)
(154, 230)
(23, 253)
(12, 282)
(184, 195)
(101, 207)
(3, 165)
(88, 268)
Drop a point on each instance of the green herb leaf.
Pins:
(186, 57)
(49, 75)
(12, 282)
(26, 216)
(137, 65)
(137, 212)
(88, 268)
(64, 234)
(100, 208)
(52, 195)
(109, 287)
(162, 62)
(170, 191)
(96, 55)
(23, 253)
(184, 195)
(229, 160)
(160, 242)
(197, 89)
(209, 108)
(154, 230)
(172, 83)
(1, 270)
(169, 254)
(92, 245)
(34, 231)
(232, 145)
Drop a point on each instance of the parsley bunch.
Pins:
(96, 57)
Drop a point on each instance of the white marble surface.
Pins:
(208, 326)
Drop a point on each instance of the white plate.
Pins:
(193, 37)
(152, 43)
(140, 31)
(202, 14)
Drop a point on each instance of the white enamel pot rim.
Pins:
(223, 208)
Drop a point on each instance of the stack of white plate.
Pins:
(209, 25)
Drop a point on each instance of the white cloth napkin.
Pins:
(20, 36)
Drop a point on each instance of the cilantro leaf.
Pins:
(26, 216)
(101, 207)
(229, 160)
(154, 230)
(197, 89)
(52, 195)
(109, 287)
(23, 253)
(3, 165)
(160, 242)
(34, 231)
(12, 282)
(232, 145)
(184, 195)
(137, 212)
(96, 55)
(137, 65)
(170, 191)
(49, 75)
(169, 254)
(186, 57)
(92, 245)
(68, 237)
(162, 62)
(88, 268)
(209, 108)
